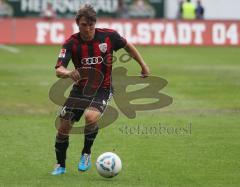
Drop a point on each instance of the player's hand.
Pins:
(145, 71)
(74, 75)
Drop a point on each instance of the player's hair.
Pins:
(88, 12)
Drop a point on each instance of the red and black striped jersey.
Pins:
(96, 53)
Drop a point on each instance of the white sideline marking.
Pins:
(10, 49)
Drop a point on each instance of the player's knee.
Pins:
(65, 127)
(90, 118)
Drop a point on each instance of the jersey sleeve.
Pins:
(118, 41)
(65, 54)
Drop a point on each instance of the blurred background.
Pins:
(144, 22)
(214, 9)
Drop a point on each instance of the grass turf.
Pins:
(204, 84)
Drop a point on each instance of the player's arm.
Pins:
(62, 72)
(120, 42)
(134, 53)
(63, 60)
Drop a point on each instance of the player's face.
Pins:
(87, 29)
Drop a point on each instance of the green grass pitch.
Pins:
(204, 84)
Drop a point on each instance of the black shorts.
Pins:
(77, 102)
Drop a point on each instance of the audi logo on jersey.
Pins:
(92, 60)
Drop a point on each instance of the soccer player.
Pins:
(88, 50)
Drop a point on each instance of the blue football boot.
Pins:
(85, 162)
(59, 170)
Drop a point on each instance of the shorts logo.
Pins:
(63, 112)
(103, 47)
(62, 53)
(92, 60)
(104, 102)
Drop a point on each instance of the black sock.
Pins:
(61, 146)
(88, 141)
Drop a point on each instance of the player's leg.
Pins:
(92, 115)
(66, 120)
(61, 145)
(90, 132)
(91, 128)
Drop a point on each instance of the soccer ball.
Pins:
(108, 164)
